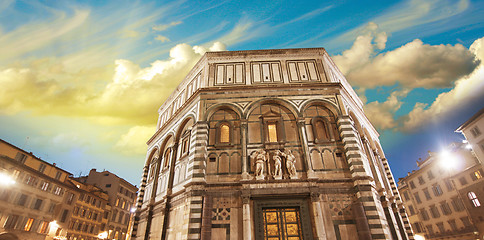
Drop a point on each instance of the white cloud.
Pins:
(163, 27)
(162, 38)
(381, 114)
(132, 95)
(466, 90)
(414, 64)
(134, 141)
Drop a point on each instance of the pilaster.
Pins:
(367, 204)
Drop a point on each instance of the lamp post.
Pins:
(6, 179)
(450, 163)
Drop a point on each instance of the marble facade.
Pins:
(252, 141)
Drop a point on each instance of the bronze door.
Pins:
(282, 224)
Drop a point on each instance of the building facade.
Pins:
(442, 196)
(267, 144)
(38, 201)
(89, 217)
(472, 130)
(122, 197)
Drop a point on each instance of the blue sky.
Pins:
(81, 82)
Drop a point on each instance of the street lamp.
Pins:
(6, 180)
(419, 237)
(103, 235)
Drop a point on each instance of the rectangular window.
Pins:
(51, 208)
(108, 185)
(405, 195)
(430, 229)
(20, 157)
(417, 198)
(42, 168)
(466, 221)
(448, 184)
(424, 215)
(58, 175)
(421, 180)
(272, 132)
(462, 181)
(28, 224)
(37, 204)
(43, 227)
(445, 208)
(457, 204)
(434, 211)
(70, 198)
(57, 191)
(412, 185)
(412, 210)
(416, 227)
(64, 215)
(440, 226)
(437, 190)
(11, 222)
(22, 200)
(476, 175)
(427, 194)
(475, 131)
(453, 225)
(430, 175)
(45, 186)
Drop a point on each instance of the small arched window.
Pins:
(166, 158)
(320, 130)
(153, 167)
(224, 133)
(475, 201)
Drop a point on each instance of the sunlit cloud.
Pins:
(162, 38)
(414, 64)
(134, 141)
(381, 114)
(163, 27)
(466, 89)
(131, 95)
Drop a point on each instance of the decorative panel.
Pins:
(229, 73)
(303, 70)
(266, 72)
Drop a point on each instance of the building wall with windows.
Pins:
(90, 214)
(436, 195)
(255, 141)
(122, 197)
(473, 131)
(39, 204)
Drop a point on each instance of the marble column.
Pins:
(304, 142)
(245, 165)
(247, 231)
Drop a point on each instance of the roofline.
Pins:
(470, 120)
(32, 155)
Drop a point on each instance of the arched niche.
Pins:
(273, 125)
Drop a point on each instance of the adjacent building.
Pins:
(472, 130)
(90, 214)
(267, 144)
(36, 198)
(39, 200)
(122, 196)
(437, 194)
